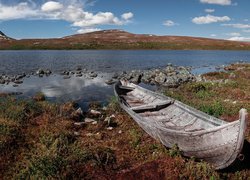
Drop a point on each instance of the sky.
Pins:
(221, 19)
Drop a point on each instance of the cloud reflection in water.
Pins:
(58, 89)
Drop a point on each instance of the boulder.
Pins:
(40, 71)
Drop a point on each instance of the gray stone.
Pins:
(110, 82)
(161, 78)
(40, 71)
(89, 120)
(93, 74)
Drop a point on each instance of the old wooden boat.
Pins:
(172, 122)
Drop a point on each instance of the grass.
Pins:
(218, 98)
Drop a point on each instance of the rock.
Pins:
(79, 111)
(18, 77)
(93, 74)
(78, 75)
(89, 120)
(15, 85)
(18, 82)
(79, 124)
(79, 68)
(94, 123)
(119, 132)
(107, 119)
(110, 82)
(105, 108)
(40, 71)
(161, 78)
(2, 81)
(76, 133)
(115, 76)
(64, 73)
(94, 112)
(66, 77)
(47, 72)
(169, 69)
(110, 128)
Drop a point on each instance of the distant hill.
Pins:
(3, 36)
(119, 39)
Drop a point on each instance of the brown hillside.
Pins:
(119, 39)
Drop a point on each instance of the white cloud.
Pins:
(88, 30)
(219, 2)
(51, 6)
(209, 10)
(19, 11)
(239, 38)
(210, 19)
(127, 16)
(239, 26)
(169, 23)
(101, 18)
(233, 34)
(71, 11)
(213, 35)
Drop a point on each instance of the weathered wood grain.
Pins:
(172, 122)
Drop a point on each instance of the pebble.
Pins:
(89, 134)
(79, 124)
(94, 112)
(110, 128)
(89, 120)
(76, 133)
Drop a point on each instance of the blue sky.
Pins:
(223, 19)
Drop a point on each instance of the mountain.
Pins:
(3, 36)
(119, 39)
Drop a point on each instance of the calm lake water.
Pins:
(105, 62)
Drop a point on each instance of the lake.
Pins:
(105, 63)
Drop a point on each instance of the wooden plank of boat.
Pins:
(172, 122)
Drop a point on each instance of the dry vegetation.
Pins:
(118, 39)
(41, 140)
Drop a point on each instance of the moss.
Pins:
(198, 170)
(19, 110)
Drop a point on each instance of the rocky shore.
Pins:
(169, 76)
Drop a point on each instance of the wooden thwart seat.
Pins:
(126, 87)
(153, 106)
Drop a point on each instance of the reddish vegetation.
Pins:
(49, 145)
(118, 39)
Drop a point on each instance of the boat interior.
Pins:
(164, 112)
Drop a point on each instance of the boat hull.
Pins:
(196, 133)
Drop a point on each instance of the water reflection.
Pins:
(56, 88)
